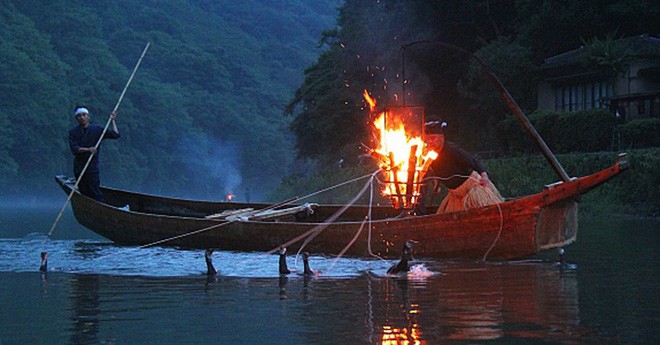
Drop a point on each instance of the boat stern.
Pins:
(557, 225)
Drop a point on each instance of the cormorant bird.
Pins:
(308, 271)
(406, 256)
(562, 264)
(283, 268)
(44, 262)
(208, 256)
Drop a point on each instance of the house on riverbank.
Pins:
(622, 76)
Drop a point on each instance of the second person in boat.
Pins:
(465, 176)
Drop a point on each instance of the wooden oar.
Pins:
(515, 109)
(121, 97)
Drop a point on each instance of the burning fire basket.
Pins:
(402, 153)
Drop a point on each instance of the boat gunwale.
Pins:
(440, 235)
(541, 199)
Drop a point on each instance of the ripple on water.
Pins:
(101, 257)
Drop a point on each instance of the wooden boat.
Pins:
(516, 228)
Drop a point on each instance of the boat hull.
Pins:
(510, 230)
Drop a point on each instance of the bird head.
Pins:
(407, 248)
(410, 244)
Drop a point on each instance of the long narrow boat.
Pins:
(516, 228)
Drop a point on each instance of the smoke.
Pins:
(213, 166)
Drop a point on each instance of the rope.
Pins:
(186, 234)
(338, 185)
(498, 234)
(371, 201)
(318, 229)
(265, 209)
(498, 207)
(445, 178)
(367, 219)
(308, 235)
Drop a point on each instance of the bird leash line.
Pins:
(98, 143)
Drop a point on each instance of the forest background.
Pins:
(221, 105)
(203, 115)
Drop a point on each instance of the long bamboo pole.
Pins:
(517, 112)
(98, 143)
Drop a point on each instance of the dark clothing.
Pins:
(88, 137)
(90, 185)
(454, 165)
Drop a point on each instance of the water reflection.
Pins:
(161, 295)
(404, 327)
(466, 303)
(282, 283)
(476, 302)
(86, 310)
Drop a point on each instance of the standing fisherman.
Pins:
(82, 142)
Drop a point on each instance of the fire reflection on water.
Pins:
(96, 292)
(393, 336)
(476, 303)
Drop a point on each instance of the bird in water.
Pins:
(283, 268)
(308, 271)
(562, 264)
(44, 262)
(208, 256)
(403, 265)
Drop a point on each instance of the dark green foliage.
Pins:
(513, 66)
(640, 133)
(583, 131)
(609, 57)
(636, 191)
(513, 37)
(203, 114)
(331, 182)
(551, 27)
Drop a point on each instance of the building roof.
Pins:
(641, 46)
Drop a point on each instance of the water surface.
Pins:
(95, 292)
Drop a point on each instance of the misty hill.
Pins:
(203, 116)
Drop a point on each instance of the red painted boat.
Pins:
(516, 228)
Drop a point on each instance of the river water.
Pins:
(97, 293)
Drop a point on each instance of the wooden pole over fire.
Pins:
(403, 67)
(508, 100)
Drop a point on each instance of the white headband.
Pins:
(80, 111)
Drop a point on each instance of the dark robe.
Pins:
(454, 165)
(88, 137)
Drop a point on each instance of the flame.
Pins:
(370, 101)
(404, 158)
(230, 197)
